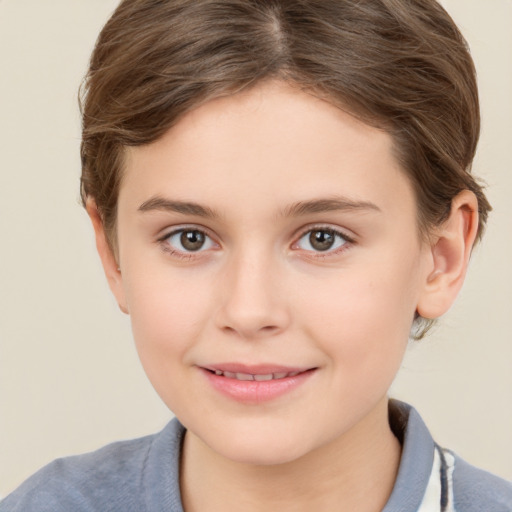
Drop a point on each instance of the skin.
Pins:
(259, 292)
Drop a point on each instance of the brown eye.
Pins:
(188, 241)
(192, 240)
(322, 239)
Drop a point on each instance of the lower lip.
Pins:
(256, 392)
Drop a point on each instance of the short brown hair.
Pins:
(398, 64)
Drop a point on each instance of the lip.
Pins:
(255, 391)
(255, 369)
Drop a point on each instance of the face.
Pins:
(271, 264)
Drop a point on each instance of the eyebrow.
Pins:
(184, 207)
(335, 203)
(297, 209)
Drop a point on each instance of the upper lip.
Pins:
(255, 369)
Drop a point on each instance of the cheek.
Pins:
(362, 319)
(167, 314)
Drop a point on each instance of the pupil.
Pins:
(321, 240)
(192, 240)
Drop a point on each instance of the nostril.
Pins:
(248, 332)
(251, 317)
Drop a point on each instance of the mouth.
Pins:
(260, 377)
(255, 384)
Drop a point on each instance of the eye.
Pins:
(322, 240)
(189, 240)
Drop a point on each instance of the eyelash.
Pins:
(163, 241)
(348, 241)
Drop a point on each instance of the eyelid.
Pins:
(174, 230)
(345, 233)
(349, 239)
(171, 230)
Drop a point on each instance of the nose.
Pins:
(253, 303)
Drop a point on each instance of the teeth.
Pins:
(244, 376)
(258, 377)
(263, 377)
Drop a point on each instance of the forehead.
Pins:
(265, 148)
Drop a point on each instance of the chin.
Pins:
(261, 457)
(259, 449)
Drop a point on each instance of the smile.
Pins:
(257, 376)
(255, 385)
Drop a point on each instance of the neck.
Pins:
(356, 471)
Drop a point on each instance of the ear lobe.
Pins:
(108, 259)
(450, 252)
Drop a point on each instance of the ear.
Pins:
(107, 256)
(449, 255)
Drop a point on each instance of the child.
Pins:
(280, 193)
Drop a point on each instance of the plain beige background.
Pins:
(69, 376)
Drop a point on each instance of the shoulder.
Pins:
(112, 479)
(80, 483)
(475, 490)
(432, 478)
